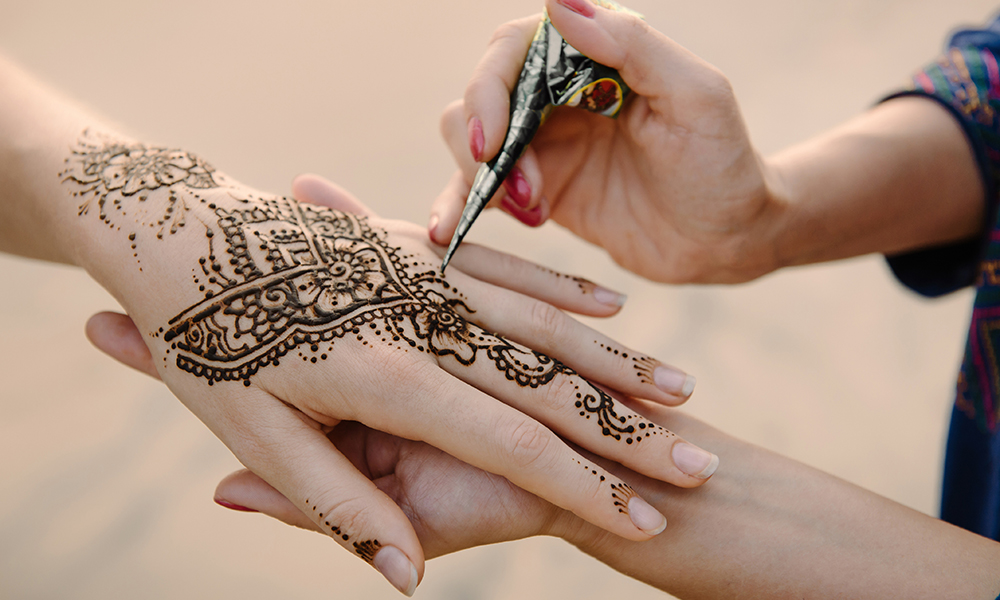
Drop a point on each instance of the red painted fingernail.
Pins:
(518, 188)
(580, 7)
(531, 218)
(231, 506)
(476, 138)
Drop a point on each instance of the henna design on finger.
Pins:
(279, 277)
(366, 549)
(621, 492)
(579, 281)
(612, 350)
(644, 369)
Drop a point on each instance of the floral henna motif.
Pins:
(124, 173)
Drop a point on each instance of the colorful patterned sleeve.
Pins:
(966, 81)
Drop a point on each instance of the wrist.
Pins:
(752, 249)
(137, 211)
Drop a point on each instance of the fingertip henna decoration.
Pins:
(366, 549)
(621, 492)
(644, 367)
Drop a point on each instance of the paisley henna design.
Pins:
(279, 277)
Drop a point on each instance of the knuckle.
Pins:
(633, 31)
(547, 320)
(512, 267)
(481, 89)
(451, 117)
(559, 394)
(511, 30)
(527, 444)
(344, 517)
(716, 85)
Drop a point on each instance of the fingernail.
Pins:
(231, 506)
(397, 569)
(476, 138)
(673, 381)
(518, 188)
(694, 461)
(531, 218)
(645, 517)
(432, 226)
(580, 7)
(608, 297)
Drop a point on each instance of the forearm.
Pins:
(74, 190)
(37, 129)
(768, 527)
(899, 177)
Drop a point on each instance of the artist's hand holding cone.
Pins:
(515, 439)
(672, 188)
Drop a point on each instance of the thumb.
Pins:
(651, 63)
(321, 485)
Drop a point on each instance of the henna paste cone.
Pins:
(554, 74)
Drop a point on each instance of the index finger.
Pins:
(487, 96)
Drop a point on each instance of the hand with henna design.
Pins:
(274, 321)
(766, 527)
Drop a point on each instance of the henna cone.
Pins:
(554, 74)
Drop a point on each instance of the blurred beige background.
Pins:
(107, 480)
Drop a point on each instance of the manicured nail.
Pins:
(231, 506)
(673, 381)
(518, 188)
(694, 461)
(608, 297)
(645, 517)
(432, 226)
(397, 569)
(580, 7)
(531, 218)
(476, 138)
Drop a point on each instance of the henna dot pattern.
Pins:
(621, 492)
(580, 281)
(366, 550)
